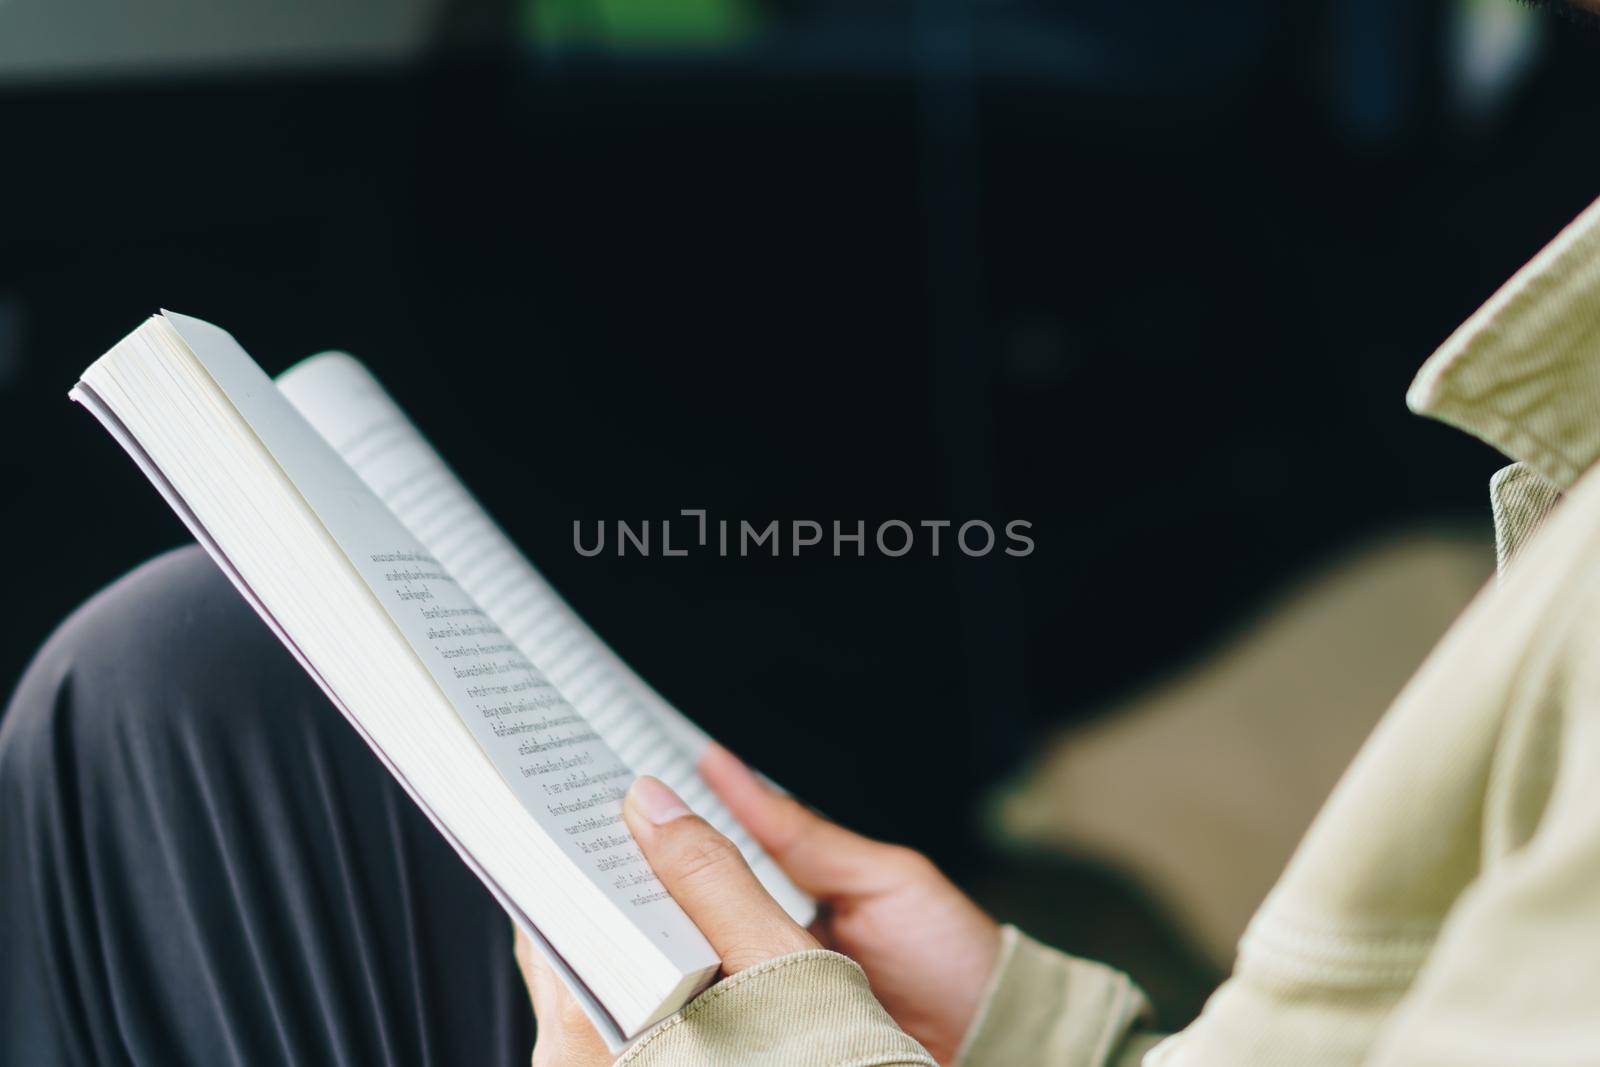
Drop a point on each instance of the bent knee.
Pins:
(170, 647)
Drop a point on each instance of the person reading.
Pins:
(200, 863)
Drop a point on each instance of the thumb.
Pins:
(709, 879)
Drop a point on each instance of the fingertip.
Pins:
(727, 773)
(653, 800)
(719, 760)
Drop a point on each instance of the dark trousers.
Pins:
(201, 863)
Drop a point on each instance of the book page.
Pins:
(350, 408)
(558, 768)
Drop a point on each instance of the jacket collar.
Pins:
(1523, 373)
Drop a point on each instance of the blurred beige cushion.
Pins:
(1201, 787)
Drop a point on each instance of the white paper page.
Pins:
(350, 408)
(519, 718)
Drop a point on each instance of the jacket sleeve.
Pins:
(815, 1009)
(1044, 1008)
(1512, 977)
(806, 1009)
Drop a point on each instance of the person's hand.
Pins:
(708, 878)
(565, 1037)
(927, 949)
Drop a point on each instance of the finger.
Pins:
(528, 960)
(564, 1036)
(821, 857)
(709, 879)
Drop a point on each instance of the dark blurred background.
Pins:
(1152, 276)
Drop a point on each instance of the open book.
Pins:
(507, 720)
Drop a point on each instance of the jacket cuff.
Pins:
(806, 1009)
(1045, 1007)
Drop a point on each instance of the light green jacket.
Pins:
(1444, 908)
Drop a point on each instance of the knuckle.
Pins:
(908, 862)
(743, 957)
(791, 823)
(763, 943)
(795, 814)
(572, 1015)
(703, 852)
